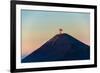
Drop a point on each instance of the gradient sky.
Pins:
(40, 26)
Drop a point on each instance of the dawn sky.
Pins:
(40, 26)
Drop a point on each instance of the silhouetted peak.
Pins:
(63, 34)
(61, 47)
(60, 36)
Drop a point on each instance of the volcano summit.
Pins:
(59, 48)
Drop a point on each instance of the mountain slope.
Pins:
(59, 48)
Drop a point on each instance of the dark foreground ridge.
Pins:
(59, 48)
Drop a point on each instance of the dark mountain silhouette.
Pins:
(59, 48)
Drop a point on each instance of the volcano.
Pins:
(62, 47)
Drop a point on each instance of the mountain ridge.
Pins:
(60, 47)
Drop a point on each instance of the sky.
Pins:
(40, 26)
